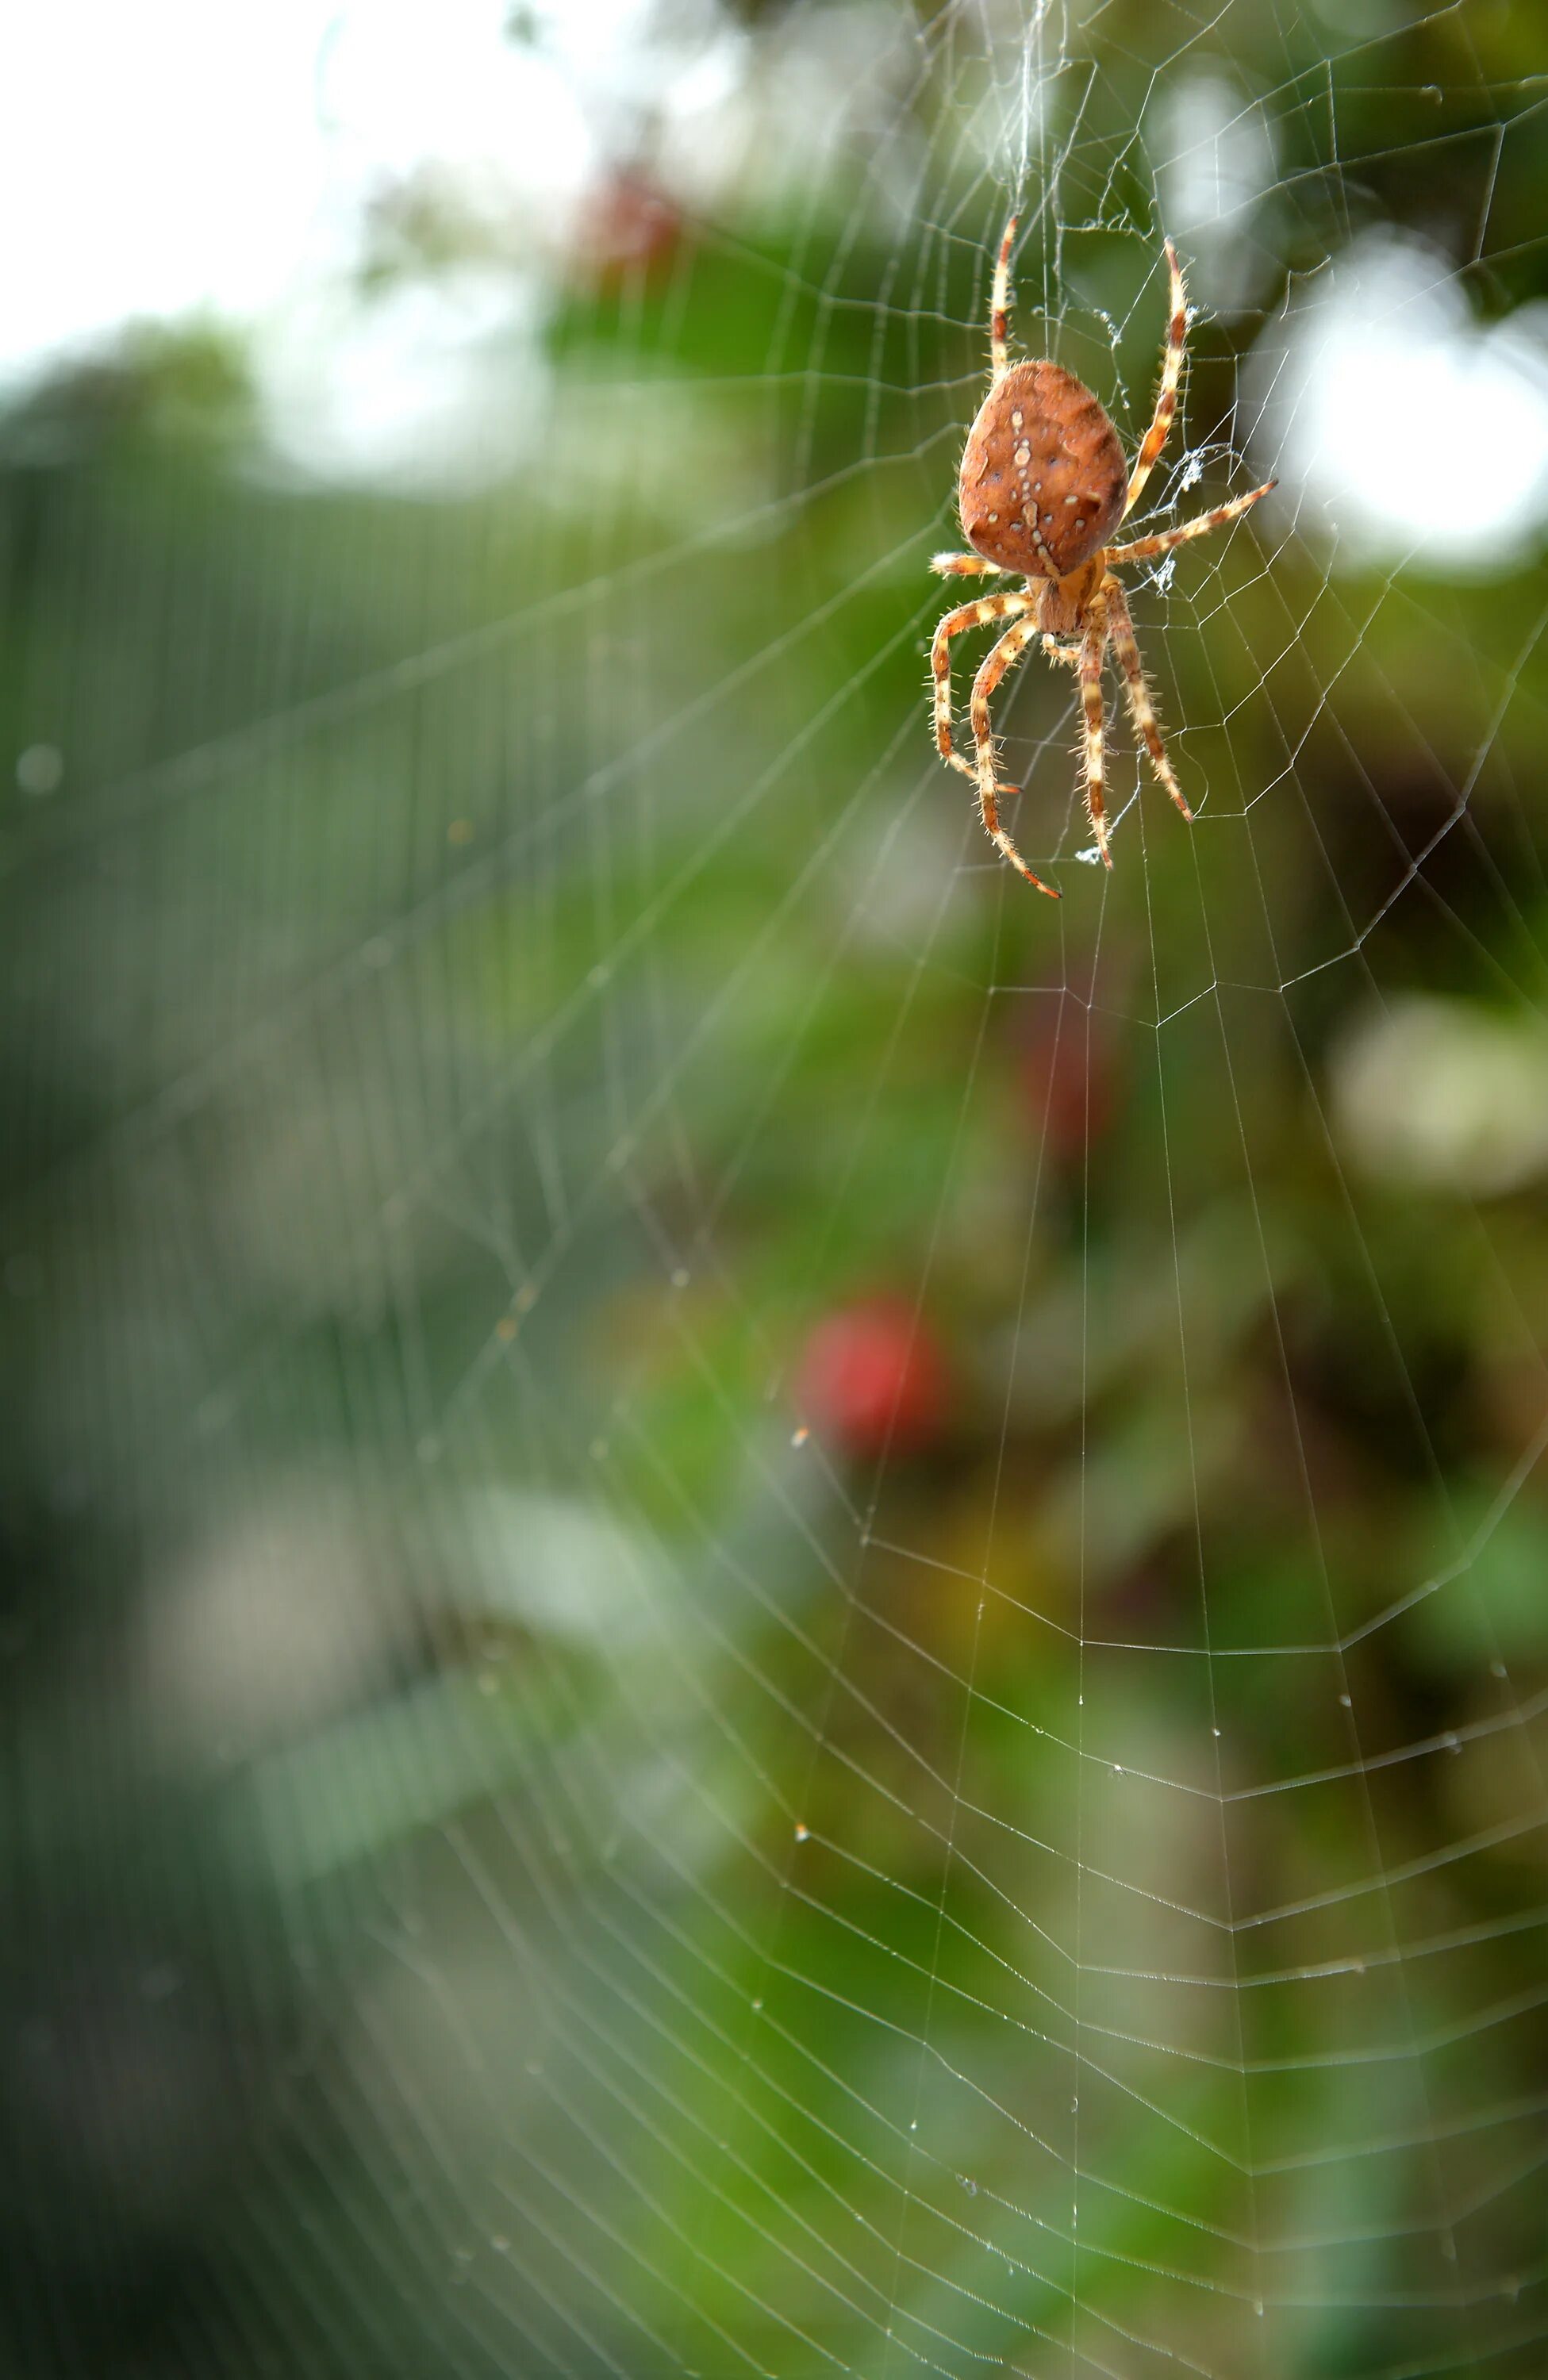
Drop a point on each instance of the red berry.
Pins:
(872, 1379)
(628, 221)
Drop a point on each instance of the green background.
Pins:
(517, 1864)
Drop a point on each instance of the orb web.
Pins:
(804, 1631)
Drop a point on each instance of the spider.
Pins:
(1042, 488)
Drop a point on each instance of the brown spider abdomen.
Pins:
(1044, 478)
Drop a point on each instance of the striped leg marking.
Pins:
(1145, 548)
(1009, 648)
(1167, 396)
(999, 308)
(969, 615)
(1091, 647)
(1121, 629)
(966, 565)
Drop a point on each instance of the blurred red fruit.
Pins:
(872, 1379)
(628, 221)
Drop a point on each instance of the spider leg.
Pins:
(1121, 630)
(1009, 648)
(966, 566)
(1166, 395)
(969, 616)
(1058, 652)
(1092, 645)
(1144, 548)
(999, 304)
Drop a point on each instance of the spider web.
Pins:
(780, 1614)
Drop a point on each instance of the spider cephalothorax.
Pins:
(1042, 487)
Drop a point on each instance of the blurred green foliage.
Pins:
(521, 1862)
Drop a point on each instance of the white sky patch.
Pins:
(1413, 431)
(220, 159)
(1216, 164)
(399, 90)
(164, 158)
(226, 159)
(433, 385)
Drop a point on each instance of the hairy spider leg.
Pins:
(969, 615)
(966, 566)
(1166, 395)
(1120, 627)
(1144, 548)
(999, 304)
(1009, 648)
(1092, 645)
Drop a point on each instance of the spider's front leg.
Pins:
(1145, 549)
(965, 566)
(999, 304)
(1166, 395)
(969, 616)
(1009, 648)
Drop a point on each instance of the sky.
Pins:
(221, 158)
(219, 161)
